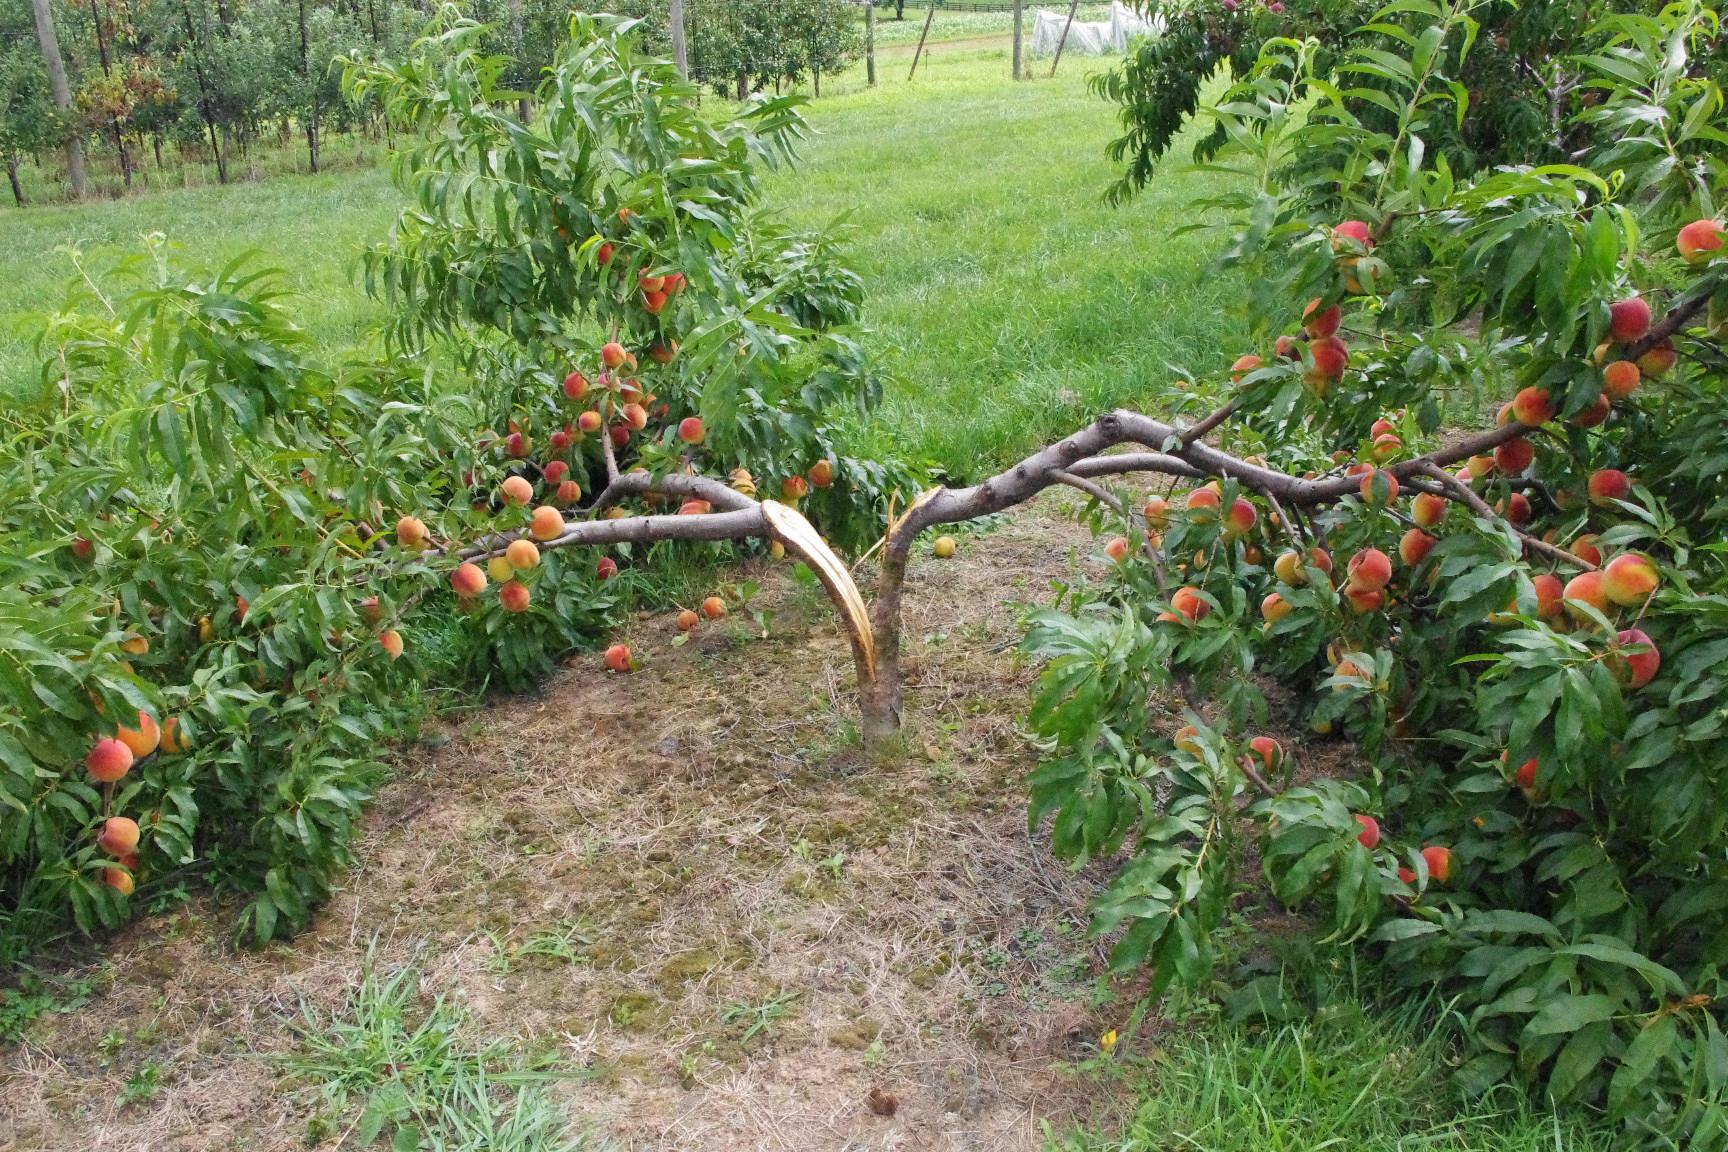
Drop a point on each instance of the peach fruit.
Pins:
(547, 523)
(1607, 485)
(468, 580)
(1369, 569)
(1630, 579)
(119, 836)
(1586, 588)
(1533, 406)
(1620, 379)
(143, 739)
(1699, 240)
(1635, 669)
(1369, 836)
(1439, 861)
(1187, 601)
(514, 596)
(1628, 319)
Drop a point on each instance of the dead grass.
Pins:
(626, 870)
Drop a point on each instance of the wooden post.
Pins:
(1019, 7)
(928, 16)
(1062, 42)
(870, 43)
(675, 18)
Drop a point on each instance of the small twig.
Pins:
(1222, 414)
(1254, 777)
(1097, 492)
(1284, 519)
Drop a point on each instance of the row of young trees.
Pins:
(210, 79)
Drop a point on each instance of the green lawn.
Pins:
(1008, 301)
(1350, 1078)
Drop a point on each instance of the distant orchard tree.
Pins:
(28, 122)
(741, 45)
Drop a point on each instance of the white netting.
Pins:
(1091, 37)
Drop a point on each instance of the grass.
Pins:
(1350, 1078)
(386, 1065)
(1009, 303)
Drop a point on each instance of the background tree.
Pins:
(739, 46)
(28, 120)
(61, 90)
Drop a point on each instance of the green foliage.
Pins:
(1524, 88)
(386, 1065)
(1573, 919)
(200, 517)
(738, 46)
(531, 240)
(1282, 1073)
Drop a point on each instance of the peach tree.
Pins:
(1466, 510)
(228, 561)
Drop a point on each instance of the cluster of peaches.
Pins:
(109, 761)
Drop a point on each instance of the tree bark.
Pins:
(61, 92)
(204, 111)
(516, 42)
(1019, 7)
(12, 177)
(311, 92)
(113, 121)
(675, 21)
(870, 44)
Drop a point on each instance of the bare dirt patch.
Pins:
(691, 884)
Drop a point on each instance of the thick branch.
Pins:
(1122, 463)
(741, 524)
(677, 484)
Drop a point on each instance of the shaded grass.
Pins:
(1354, 1078)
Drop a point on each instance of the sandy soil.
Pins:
(700, 835)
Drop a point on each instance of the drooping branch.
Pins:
(1122, 463)
(1076, 461)
(1223, 413)
(1452, 488)
(1099, 493)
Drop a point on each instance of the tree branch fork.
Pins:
(1078, 461)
